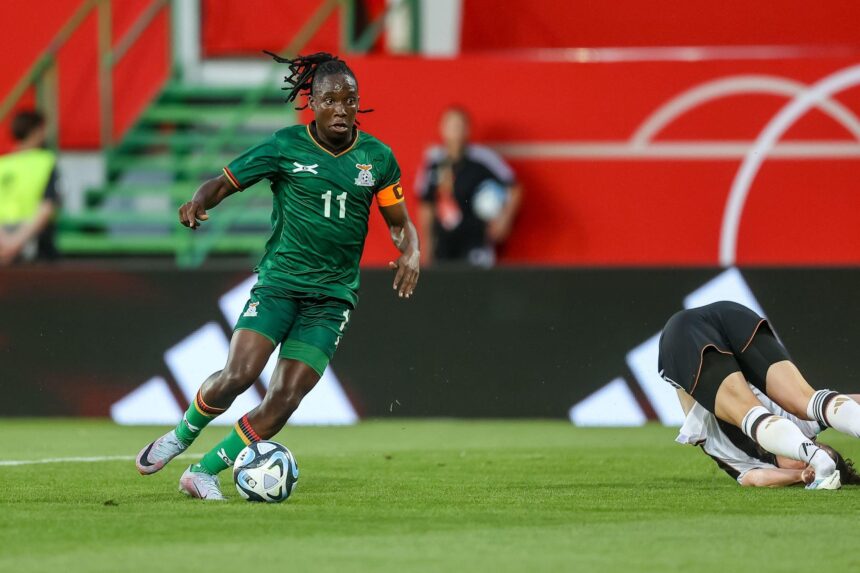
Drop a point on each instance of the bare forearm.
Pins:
(405, 238)
(426, 217)
(408, 239)
(34, 226)
(499, 229)
(213, 191)
(515, 199)
(403, 233)
(772, 478)
(208, 195)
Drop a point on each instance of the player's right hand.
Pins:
(191, 214)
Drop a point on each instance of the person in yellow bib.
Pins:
(28, 193)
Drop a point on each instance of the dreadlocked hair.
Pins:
(305, 69)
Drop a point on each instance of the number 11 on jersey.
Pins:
(327, 208)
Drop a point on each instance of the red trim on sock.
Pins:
(246, 428)
(206, 409)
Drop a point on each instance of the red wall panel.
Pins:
(22, 42)
(623, 209)
(493, 25)
(232, 28)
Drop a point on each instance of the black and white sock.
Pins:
(780, 436)
(835, 410)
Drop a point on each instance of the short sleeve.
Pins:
(258, 162)
(425, 179)
(493, 162)
(390, 191)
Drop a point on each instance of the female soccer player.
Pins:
(743, 459)
(324, 177)
(711, 352)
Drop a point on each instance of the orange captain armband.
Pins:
(391, 195)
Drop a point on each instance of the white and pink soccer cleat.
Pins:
(201, 485)
(156, 455)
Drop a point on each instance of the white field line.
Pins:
(87, 460)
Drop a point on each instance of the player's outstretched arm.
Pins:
(12, 243)
(207, 196)
(499, 228)
(776, 477)
(405, 238)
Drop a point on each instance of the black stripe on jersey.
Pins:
(723, 465)
(740, 440)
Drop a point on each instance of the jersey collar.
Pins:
(318, 144)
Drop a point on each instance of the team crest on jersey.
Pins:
(365, 177)
(252, 309)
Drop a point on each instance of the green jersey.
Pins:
(320, 208)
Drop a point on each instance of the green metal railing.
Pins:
(361, 41)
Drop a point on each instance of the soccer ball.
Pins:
(489, 200)
(265, 471)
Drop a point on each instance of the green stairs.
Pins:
(185, 137)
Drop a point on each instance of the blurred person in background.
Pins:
(28, 193)
(469, 196)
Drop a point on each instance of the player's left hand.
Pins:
(498, 229)
(9, 249)
(808, 475)
(406, 277)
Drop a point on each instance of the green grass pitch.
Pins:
(403, 495)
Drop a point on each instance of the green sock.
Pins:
(224, 453)
(197, 416)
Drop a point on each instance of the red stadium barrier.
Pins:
(232, 29)
(624, 162)
(589, 23)
(632, 163)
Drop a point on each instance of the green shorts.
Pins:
(307, 328)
